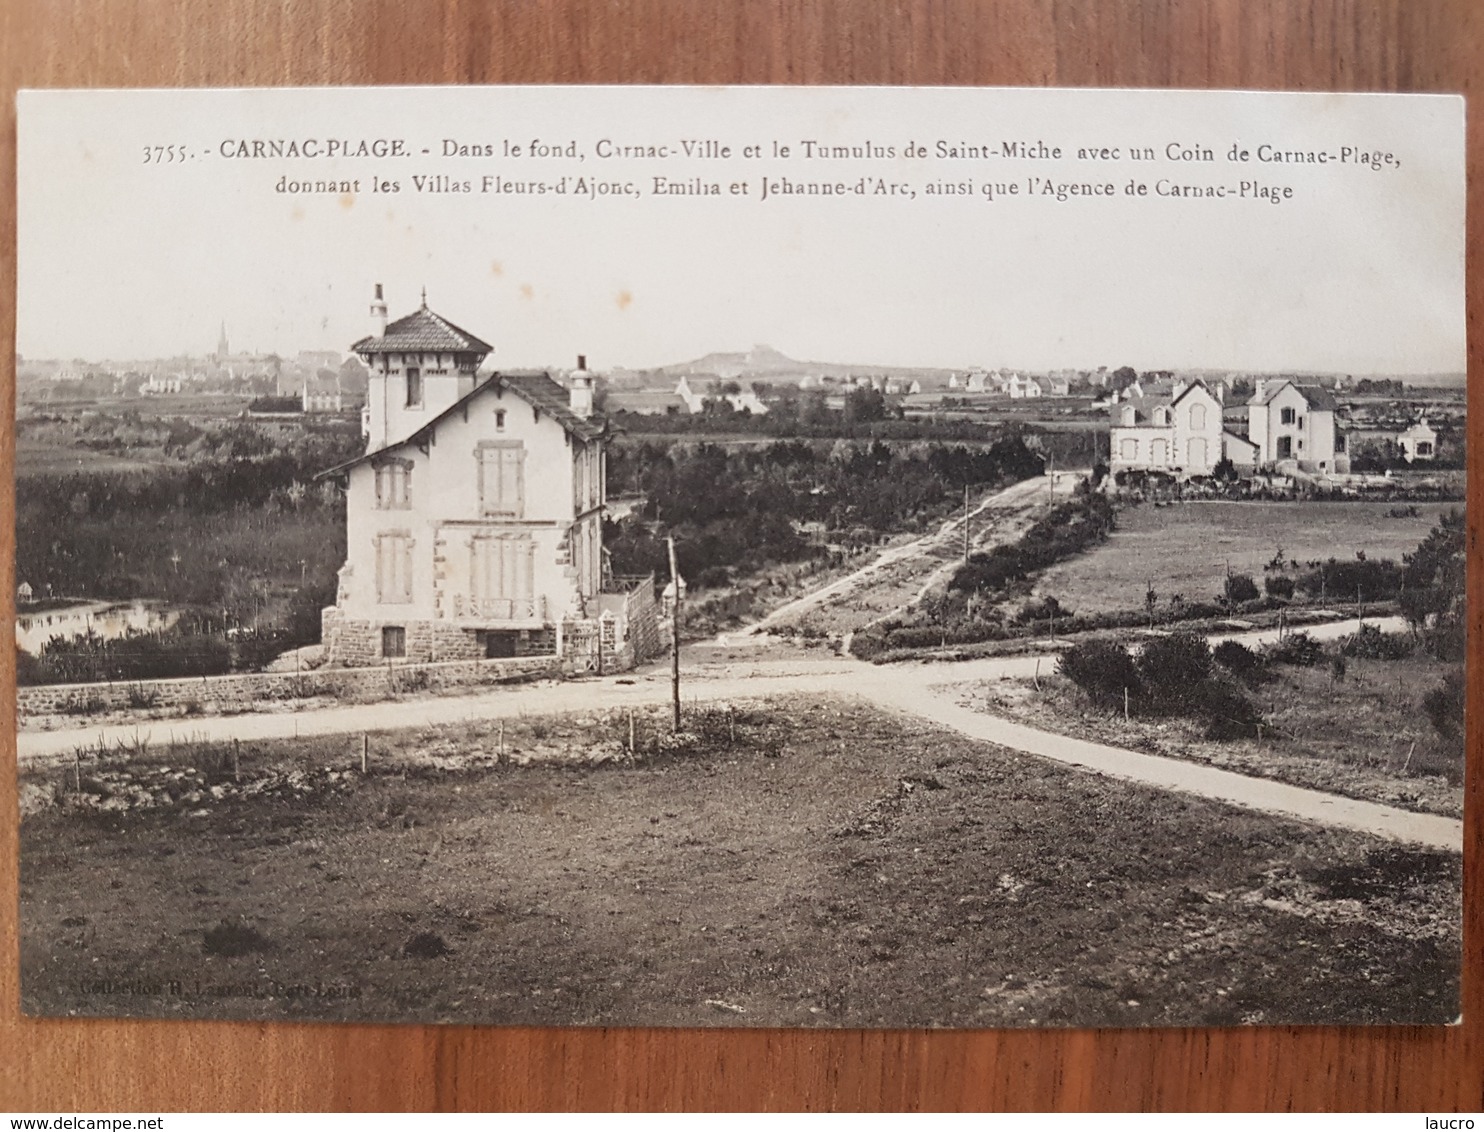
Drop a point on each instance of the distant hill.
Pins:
(764, 363)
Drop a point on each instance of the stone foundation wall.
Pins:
(358, 643)
(217, 694)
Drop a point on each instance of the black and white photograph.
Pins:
(741, 557)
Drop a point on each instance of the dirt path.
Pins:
(921, 690)
(901, 575)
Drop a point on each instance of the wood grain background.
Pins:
(1388, 45)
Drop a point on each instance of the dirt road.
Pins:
(903, 574)
(921, 690)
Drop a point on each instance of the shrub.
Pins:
(1278, 585)
(142, 696)
(1444, 707)
(1227, 713)
(1172, 668)
(1370, 643)
(1298, 649)
(1102, 669)
(1241, 662)
(1369, 579)
(1240, 588)
(1044, 610)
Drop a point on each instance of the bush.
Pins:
(1102, 669)
(1242, 662)
(1298, 649)
(1171, 670)
(1369, 579)
(1370, 643)
(1444, 707)
(1278, 585)
(1227, 713)
(1240, 588)
(1043, 611)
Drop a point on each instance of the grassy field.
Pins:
(807, 863)
(40, 458)
(1186, 548)
(1365, 736)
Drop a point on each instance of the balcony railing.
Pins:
(501, 608)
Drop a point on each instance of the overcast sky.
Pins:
(1361, 271)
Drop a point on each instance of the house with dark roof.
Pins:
(474, 517)
(1293, 424)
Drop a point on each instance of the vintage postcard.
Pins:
(741, 557)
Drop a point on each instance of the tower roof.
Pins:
(422, 331)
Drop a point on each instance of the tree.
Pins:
(864, 404)
(1431, 596)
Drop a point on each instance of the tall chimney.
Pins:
(580, 391)
(1259, 387)
(378, 313)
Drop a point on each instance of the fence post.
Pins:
(365, 749)
(1125, 703)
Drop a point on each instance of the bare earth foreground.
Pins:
(824, 863)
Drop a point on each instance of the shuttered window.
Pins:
(502, 568)
(393, 568)
(502, 480)
(394, 485)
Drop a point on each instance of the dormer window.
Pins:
(414, 387)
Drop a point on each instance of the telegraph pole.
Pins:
(675, 634)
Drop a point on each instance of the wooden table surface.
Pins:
(1384, 45)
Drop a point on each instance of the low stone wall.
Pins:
(217, 694)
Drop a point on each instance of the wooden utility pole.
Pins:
(674, 634)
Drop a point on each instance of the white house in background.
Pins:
(1420, 442)
(1293, 423)
(978, 382)
(1181, 434)
(695, 397)
(157, 385)
(474, 518)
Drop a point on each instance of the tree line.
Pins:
(734, 511)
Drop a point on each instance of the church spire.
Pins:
(221, 344)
